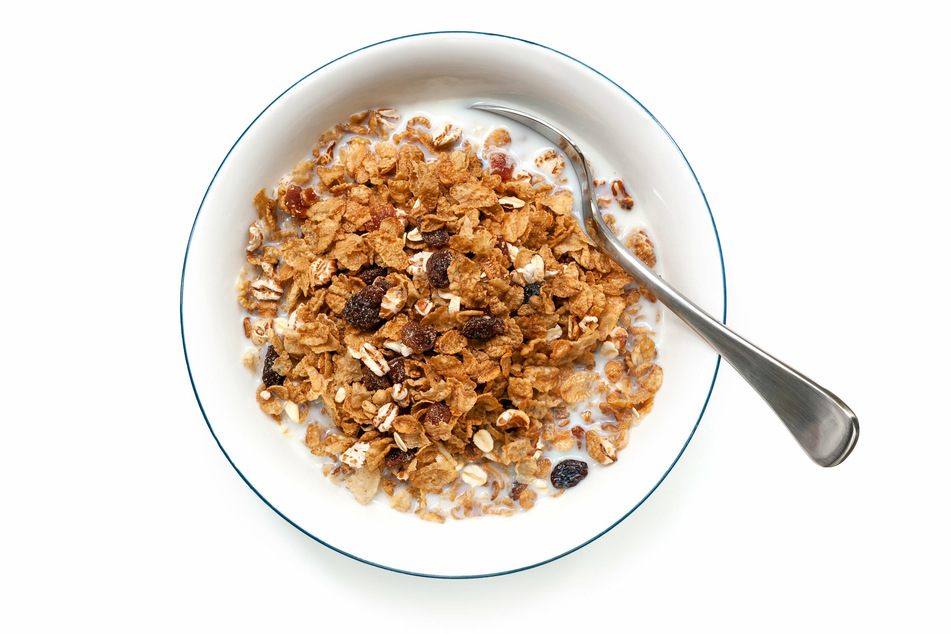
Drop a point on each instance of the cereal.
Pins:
(439, 307)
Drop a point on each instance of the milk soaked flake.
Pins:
(527, 146)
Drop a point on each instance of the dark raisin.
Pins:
(419, 337)
(531, 290)
(438, 414)
(383, 283)
(269, 376)
(377, 215)
(362, 310)
(438, 238)
(397, 371)
(437, 268)
(370, 273)
(396, 459)
(373, 382)
(483, 327)
(517, 489)
(568, 473)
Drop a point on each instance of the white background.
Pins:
(820, 134)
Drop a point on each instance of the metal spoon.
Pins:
(822, 424)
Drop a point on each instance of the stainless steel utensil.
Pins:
(822, 424)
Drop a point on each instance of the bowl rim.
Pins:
(340, 550)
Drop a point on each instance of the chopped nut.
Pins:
(265, 395)
(512, 418)
(484, 441)
(423, 307)
(385, 416)
(341, 395)
(534, 271)
(265, 289)
(553, 333)
(414, 235)
(323, 270)
(356, 456)
(374, 359)
(417, 263)
(512, 202)
(393, 302)
(293, 411)
(398, 347)
(401, 394)
(474, 475)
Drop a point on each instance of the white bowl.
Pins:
(607, 123)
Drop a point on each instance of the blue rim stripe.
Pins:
(314, 537)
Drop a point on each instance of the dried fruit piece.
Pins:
(362, 310)
(377, 215)
(517, 489)
(438, 238)
(269, 376)
(382, 282)
(297, 200)
(437, 268)
(483, 327)
(397, 373)
(439, 413)
(531, 290)
(568, 473)
(501, 165)
(370, 273)
(396, 459)
(372, 382)
(419, 337)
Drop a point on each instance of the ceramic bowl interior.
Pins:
(618, 133)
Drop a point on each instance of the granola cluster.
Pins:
(444, 309)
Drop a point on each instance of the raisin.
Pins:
(377, 215)
(419, 337)
(369, 274)
(501, 165)
(483, 327)
(396, 459)
(531, 290)
(568, 473)
(438, 238)
(269, 376)
(517, 489)
(437, 268)
(373, 382)
(438, 414)
(362, 310)
(397, 371)
(383, 283)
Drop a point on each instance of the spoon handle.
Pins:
(823, 425)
